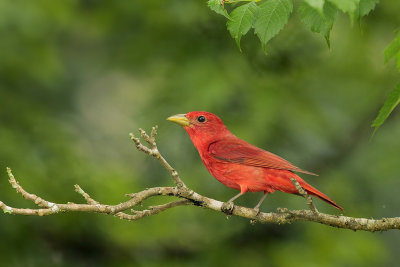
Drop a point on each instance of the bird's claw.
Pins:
(227, 208)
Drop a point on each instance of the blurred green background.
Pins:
(77, 76)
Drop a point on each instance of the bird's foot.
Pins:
(227, 207)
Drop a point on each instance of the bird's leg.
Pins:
(227, 207)
(235, 197)
(257, 207)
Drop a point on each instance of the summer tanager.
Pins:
(238, 164)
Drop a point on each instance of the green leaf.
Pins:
(316, 22)
(242, 20)
(216, 6)
(347, 6)
(273, 16)
(318, 5)
(398, 61)
(393, 49)
(391, 102)
(365, 7)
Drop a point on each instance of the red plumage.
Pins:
(238, 164)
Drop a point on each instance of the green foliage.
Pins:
(347, 6)
(391, 102)
(318, 5)
(243, 18)
(268, 17)
(365, 7)
(393, 51)
(273, 16)
(217, 6)
(319, 22)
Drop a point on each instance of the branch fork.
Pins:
(304, 194)
(186, 196)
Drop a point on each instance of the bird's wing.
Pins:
(238, 151)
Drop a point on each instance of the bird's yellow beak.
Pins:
(179, 119)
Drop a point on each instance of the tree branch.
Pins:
(304, 194)
(125, 211)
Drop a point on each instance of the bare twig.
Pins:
(124, 210)
(37, 200)
(155, 153)
(85, 195)
(304, 194)
(153, 210)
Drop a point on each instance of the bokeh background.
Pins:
(77, 76)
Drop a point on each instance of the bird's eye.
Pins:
(201, 119)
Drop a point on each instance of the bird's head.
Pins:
(200, 124)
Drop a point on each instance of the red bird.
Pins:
(238, 164)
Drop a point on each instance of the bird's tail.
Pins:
(313, 191)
